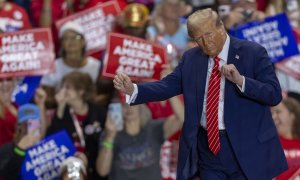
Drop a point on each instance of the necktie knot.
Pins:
(216, 59)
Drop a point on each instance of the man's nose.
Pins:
(205, 41)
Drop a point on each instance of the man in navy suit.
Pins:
(228, 86)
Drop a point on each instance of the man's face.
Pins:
(210, 38)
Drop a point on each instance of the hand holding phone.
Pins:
(33, 125)
(116, 115)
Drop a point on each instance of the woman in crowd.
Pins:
(73, 58)
(77, 114)
(286, 116)
(134, 152)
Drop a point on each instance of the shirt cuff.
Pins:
(242, 89)
(131, 99)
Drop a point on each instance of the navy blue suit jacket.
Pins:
(247, 115)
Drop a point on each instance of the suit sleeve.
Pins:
(161, 90)
(264, 87)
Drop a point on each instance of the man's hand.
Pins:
(123, 83)
(232, 74)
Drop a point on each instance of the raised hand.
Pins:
(123, 83)
(110, 128)
(60, 97)
(29, 139)
(61, 102)
(232, 74)
(40, 96)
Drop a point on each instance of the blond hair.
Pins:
(199, 17)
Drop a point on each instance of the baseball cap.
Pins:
(136, 15)
(28, 111)
(73, 26)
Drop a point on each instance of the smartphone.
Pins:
(116, 114)
(33, 125)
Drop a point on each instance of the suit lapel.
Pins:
(233, 58)
(201, 69)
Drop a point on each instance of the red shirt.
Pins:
(160, 109)
(291, 149)
(15, 17)
(7, 127)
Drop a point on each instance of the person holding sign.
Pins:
(27, 134)
(228, 85)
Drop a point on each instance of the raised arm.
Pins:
(105, 156)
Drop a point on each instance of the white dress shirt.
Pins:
(223, 60)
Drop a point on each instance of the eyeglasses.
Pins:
(72, 38)
(206, 36)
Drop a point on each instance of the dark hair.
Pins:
(293, 107)
(81, 81)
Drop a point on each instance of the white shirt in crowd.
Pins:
(92, 68)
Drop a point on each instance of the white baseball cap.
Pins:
(73, 26)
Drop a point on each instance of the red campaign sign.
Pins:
(137, 58)
(290, 66)
(96, 22)
(29, 52)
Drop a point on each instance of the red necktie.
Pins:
(213, 96)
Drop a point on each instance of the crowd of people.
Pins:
(76, 98)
